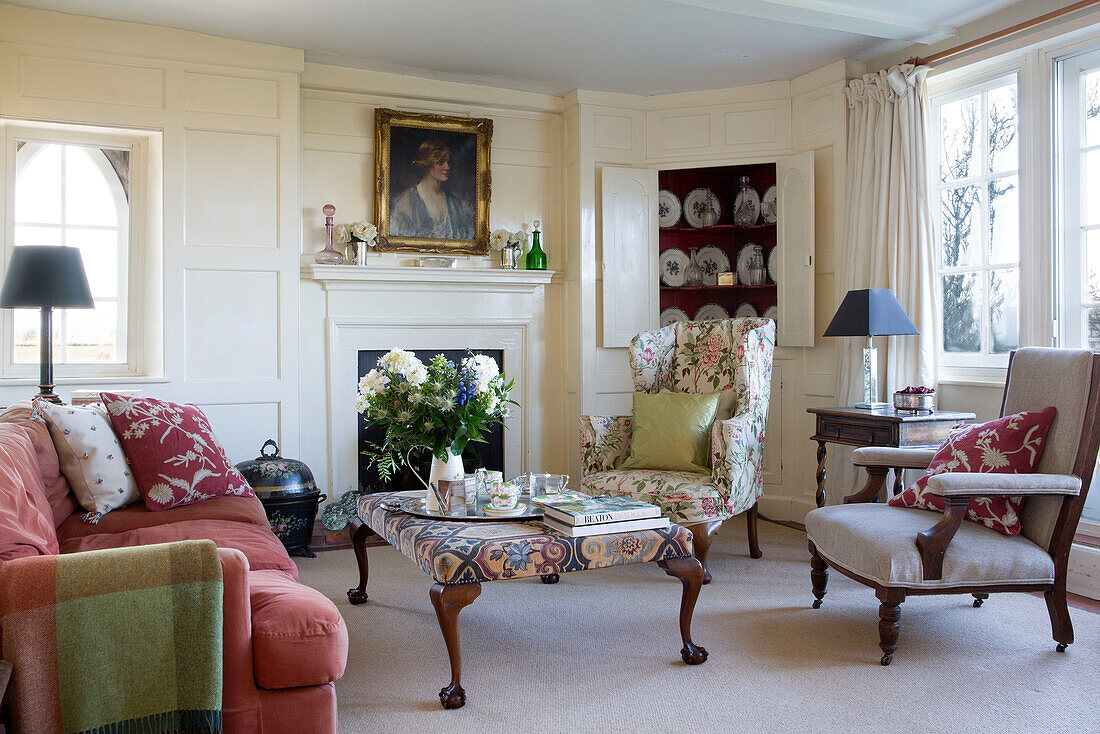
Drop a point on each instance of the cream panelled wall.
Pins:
(738, 125)
(227, 113)
(337, 108)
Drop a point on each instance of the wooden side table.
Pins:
(879, 427)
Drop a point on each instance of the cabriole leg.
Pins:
(448, 602)
(690, 573)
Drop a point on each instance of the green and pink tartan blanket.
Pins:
(117, 641)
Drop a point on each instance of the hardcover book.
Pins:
(606, 528)
(594, 510)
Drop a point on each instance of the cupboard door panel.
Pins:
(630, 296)
(795, 184)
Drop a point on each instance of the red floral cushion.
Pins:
(174, 455)
(1009, 445)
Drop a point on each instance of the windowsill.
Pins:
(91, 381)
(973, 382)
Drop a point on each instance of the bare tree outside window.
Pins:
(979, 221)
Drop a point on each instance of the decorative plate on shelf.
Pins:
(674, 265)
(671, 315)
(769, 208)
(750, 265)
(711, 312)
(745, 311)
(746, 204)
(712, 260)
(668, 208)
(773, 264)
(772, 312)
(701, 208)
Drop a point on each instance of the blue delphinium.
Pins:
(467, 387)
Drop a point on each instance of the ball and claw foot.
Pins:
(886, 659)
(817, 604)
(549, 578)
(452, 697)
(694, 654)
(978, 603)
(1061, 647)
(357, 597)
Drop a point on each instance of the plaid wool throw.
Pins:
(116, 641)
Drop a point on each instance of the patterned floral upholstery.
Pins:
(475, 552)
(696, 357)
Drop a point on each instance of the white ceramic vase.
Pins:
(451, 469)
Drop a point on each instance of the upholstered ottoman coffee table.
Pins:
(460, 556)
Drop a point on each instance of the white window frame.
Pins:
(980, 367)
(136, 358)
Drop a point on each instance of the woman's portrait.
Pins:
(432, 206)
(433, 182)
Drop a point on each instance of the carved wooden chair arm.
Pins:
(876, 478)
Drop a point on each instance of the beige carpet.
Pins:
(599, 652)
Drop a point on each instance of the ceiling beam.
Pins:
(832, 15)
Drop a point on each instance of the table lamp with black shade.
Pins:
(46, 277)
(869, 313)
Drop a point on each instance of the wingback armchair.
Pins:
(901, 551)
(733, 356)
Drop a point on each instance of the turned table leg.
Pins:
(359, 532)
(690, 573)
(448, 602)
(899, 481)
(820, 497)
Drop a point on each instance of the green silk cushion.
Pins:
(672, 431)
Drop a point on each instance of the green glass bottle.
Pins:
(536, 258)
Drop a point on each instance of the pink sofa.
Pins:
(284, 643)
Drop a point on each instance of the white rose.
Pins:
(364, 231)
(340, 235)
(498, 239)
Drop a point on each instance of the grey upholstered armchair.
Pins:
(901, 552)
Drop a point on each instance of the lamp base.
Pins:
(45, 392)
(871, 406)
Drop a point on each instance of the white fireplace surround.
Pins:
(421, 309)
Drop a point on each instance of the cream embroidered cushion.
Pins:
(90, 456)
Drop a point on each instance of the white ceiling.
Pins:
(554, 46)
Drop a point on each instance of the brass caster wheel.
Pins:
(886, 659)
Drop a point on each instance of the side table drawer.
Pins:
(858, 434)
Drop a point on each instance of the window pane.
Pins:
(1092, 108)
(89, 194)
(92, 334)
(961, 236)
(1090, 200)
(1094, 328)
(1092, 266)
(38, 183)
(99, 248)
(1001, 126)
(1004, 310)
(961, 317)
(29, 235)
(26, 322)
(959, 138)
(1004, 220)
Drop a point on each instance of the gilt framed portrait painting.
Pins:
(433, 182)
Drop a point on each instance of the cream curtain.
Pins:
(888, 233)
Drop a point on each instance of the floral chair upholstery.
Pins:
(733, 355)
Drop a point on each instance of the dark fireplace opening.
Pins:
(489, 455)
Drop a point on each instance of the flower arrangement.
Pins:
(440, 406)
(501, 238)
(364, 231)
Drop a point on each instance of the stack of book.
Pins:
(579, 518)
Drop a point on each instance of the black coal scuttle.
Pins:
(289, 495)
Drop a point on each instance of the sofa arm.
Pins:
(737, 460)
(605, 442)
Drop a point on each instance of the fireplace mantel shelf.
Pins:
(353, 275)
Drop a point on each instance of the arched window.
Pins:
(77, 195)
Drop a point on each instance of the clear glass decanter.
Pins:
(693, 276)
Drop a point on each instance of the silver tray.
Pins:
(418, 507)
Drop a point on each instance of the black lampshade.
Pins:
(45, 275)
(870, 312)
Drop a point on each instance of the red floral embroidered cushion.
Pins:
(174, 455)
(1009, 445)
